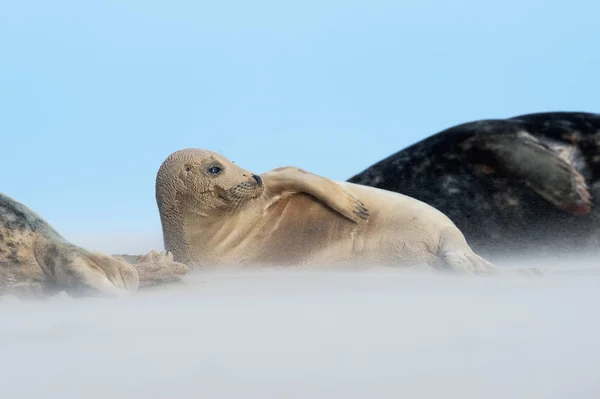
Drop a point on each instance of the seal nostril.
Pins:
(258, 179)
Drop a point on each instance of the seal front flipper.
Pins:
(157, 268)
(292, 179)
(538, 166)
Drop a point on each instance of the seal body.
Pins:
(288, 216)
(36, 261)
(522, 185)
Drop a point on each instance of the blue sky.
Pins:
(95, 95)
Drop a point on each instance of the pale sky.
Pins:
(95, 95)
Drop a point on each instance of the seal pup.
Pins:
(215, 213)
(36, 261)
(522, 185)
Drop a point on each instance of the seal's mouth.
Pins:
(241, 193)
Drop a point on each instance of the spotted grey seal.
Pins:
(522, 185)
(36, 261)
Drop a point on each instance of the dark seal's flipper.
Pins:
(539, 167)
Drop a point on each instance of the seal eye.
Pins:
(214, 170)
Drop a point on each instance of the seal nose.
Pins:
(258, 179)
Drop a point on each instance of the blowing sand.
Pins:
(282, 334)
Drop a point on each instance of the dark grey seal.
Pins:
(522, 185)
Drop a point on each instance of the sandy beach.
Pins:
(296, 334)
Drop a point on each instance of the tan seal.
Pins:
(215, 213)
(36, 261)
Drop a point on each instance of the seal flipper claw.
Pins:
(541, 168)
(577, 208)
(156, 268)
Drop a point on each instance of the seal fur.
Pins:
(36, 261)
(215, 213)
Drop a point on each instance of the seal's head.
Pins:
(194, 186)
(203, 182)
